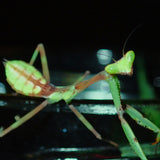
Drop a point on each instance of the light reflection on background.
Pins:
(98, 91)
(156, 81)
(2, 88)
(99, 109)
(97, 95)
(67, 159)
(104, 56)
(70, 158)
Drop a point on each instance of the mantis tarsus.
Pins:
(26, 80)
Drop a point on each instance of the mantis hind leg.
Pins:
(40, 49)
(22, 120)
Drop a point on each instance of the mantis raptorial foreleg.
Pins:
(141, 120)
(131, 136)
(120, 66)
(40, 49)
(114, 88)
(124, 66)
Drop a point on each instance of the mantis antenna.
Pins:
(125, 43)
(131, 33)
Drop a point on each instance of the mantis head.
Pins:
(122, 66)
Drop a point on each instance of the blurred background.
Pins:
(78, 36)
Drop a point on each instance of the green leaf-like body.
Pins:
(24, 78)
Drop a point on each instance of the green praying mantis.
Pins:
(25, 79)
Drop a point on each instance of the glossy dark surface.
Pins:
(56, 133)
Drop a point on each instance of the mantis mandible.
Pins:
(26, 80)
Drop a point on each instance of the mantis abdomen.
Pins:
(26, 80)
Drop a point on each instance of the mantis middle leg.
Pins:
(80, 85)
(89, 126)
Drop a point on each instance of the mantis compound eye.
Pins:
(122, 66)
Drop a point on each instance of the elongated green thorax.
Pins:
(122, 66)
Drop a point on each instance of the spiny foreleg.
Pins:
(141, 120)
(130, 135)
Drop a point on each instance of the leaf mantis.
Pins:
(27, 80)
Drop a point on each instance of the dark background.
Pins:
(81, 24)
